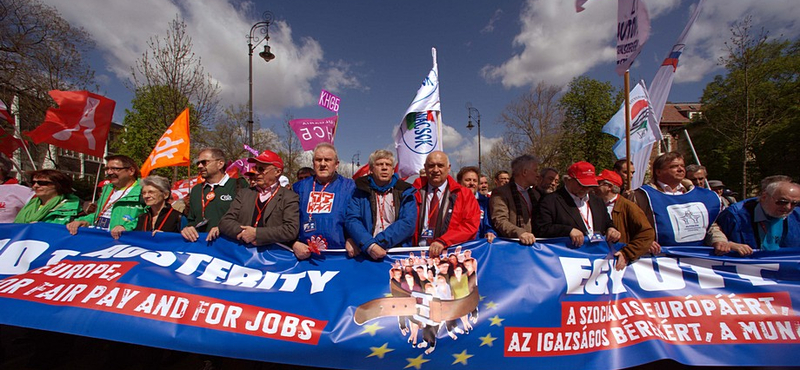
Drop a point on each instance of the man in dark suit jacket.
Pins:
(572, 211)
(511, 205)
(266, 213)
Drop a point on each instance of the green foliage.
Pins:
(753, 109)
(588, 105)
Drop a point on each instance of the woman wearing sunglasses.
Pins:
(53, 201)
(159, 215)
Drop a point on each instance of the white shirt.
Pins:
(584, 210)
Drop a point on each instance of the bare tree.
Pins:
(170, 62)
(534, 124)
(229, 133)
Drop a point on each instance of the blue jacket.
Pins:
(360, 220)
(328, 212)
(736, 222)
(485, 226)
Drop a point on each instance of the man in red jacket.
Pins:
(447, 213)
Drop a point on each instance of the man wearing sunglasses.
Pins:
(266, 213)
(209, 200)
(769, 222)
(119, 205)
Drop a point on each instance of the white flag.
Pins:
(633, 30)
(659, 92)
(419, 132)
(643, 124)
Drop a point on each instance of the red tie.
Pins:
(433, 210)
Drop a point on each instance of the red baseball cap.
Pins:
(583, 172)
(611, 177)
(268, 157)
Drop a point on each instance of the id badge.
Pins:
(594, 238)
(202, 223)
(103, 223)
(310, 226)
(427, 233)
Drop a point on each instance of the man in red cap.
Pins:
(267, 212)
(571, 211)
(636, 232)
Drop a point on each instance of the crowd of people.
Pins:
(379, 211)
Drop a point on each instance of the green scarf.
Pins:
(32, 212)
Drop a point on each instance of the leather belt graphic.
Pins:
(402, 304)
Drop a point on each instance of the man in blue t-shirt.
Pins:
(324, 198)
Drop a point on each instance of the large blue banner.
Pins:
(499, 305)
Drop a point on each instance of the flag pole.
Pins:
(97, 176)
(627, 130)
(18, 131)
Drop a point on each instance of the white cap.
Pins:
(283, 180)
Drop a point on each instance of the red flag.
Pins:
(364, 170)
(80, 123)
(4, 114)
(8, 143)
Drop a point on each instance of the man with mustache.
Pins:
(119, 204)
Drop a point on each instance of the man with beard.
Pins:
(120, 204)
(447, 213)
(483, 185)
(548, 181)
(382, 212)
(210, 200)
(571, 211)
(324, 198)
(266, 213)
(511, 206)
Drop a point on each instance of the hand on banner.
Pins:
(622, 261)
(190, 233)
(301, 250)
(436, 249)
(117, 231)
(212, 234)
(529, 238)
(613, 235)
(577, 237)
(742, 249)
(247, 235)
(352, 249)
(73, 226)
(721, 248)
(655, 248)
(490, 237)
(376, 252)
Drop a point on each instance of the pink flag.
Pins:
(314, 131)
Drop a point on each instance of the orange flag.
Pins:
(173, 147)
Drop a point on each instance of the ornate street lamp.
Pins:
(474, 114)
(252, 42)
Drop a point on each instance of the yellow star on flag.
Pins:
(372, 329)
(380, 351)
(487, 340)
(415, 362)
(490, 305)
(388, 295)
(461, 357)
(496, 320)
(481, 297)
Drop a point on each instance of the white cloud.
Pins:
(218, 30)
(339, 75)
(557, 43)
(467, 152)
(450, 137)
(706, 42)
(489, 28)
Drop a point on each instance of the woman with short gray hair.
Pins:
(159, 215)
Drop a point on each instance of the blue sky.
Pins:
(374, 54)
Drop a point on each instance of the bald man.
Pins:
(448, 213)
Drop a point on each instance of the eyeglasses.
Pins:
(42, 182)
(116, 169)
(784, 202)
(204, 162)
(262, 169)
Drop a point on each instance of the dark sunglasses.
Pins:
(42, 182)
(204, 162)
(261, 169)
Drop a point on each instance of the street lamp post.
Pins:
(252, 42)
(475, 114)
